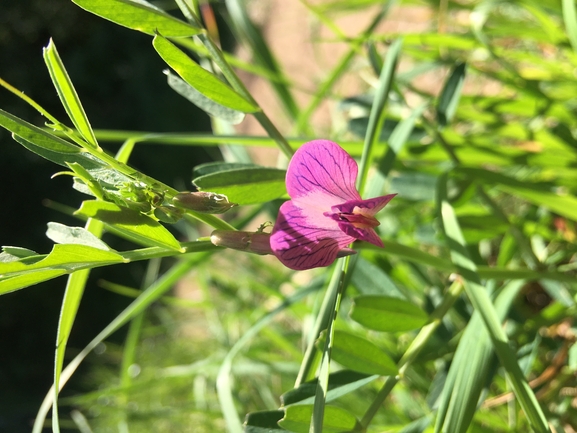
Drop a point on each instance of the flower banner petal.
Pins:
(322, 166)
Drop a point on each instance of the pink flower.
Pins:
(326, 212)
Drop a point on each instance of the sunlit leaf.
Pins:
(130, 224)
(62, 234)
(203, 81)
(298, 418)
(67, 93)
(64, 258)
(359, 354)
(139, 15)
(245, 185)
(382, 313)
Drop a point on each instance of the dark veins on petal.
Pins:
(312, 179)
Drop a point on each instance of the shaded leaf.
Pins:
(215, 167)
(370, 279)
(450, 95)
(263, 421)
(11, 254)
(61, 158)
(382, 313)
(208, 105)
(414, 186)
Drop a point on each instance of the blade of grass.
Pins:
(470, 367)
(377, 115)
(70, 303)
(413, 350)
(338, 280)
(482, 303)
(223, 381)
(570, 20)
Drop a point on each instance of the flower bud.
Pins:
(251, 242)
(205, 202)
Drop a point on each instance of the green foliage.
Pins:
(463, 322)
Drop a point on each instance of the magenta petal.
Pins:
(322, 166)
(300, 242)
(368, 207)
(361, 234)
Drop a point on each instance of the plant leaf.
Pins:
(263, 421)
(450, 95)
(382, 313)
(297, 419)
(64, 258)
(67, 93)
(11, 284)
(139, 15)
(359, 354)
(245, 185)
(340, 383)
(203, 81)
(130, 224)
(62, 234)
(208, 105)
(482, 303)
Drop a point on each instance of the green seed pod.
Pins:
(204, 202)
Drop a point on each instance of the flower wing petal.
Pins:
(324, 167)
(300, 242)
(362, 234)
(369, 207)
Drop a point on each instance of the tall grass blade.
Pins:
(482, 303)
(377, 115)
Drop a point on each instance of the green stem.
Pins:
(414, 349)
(323, 380)
(310, 358)
(239, 86)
